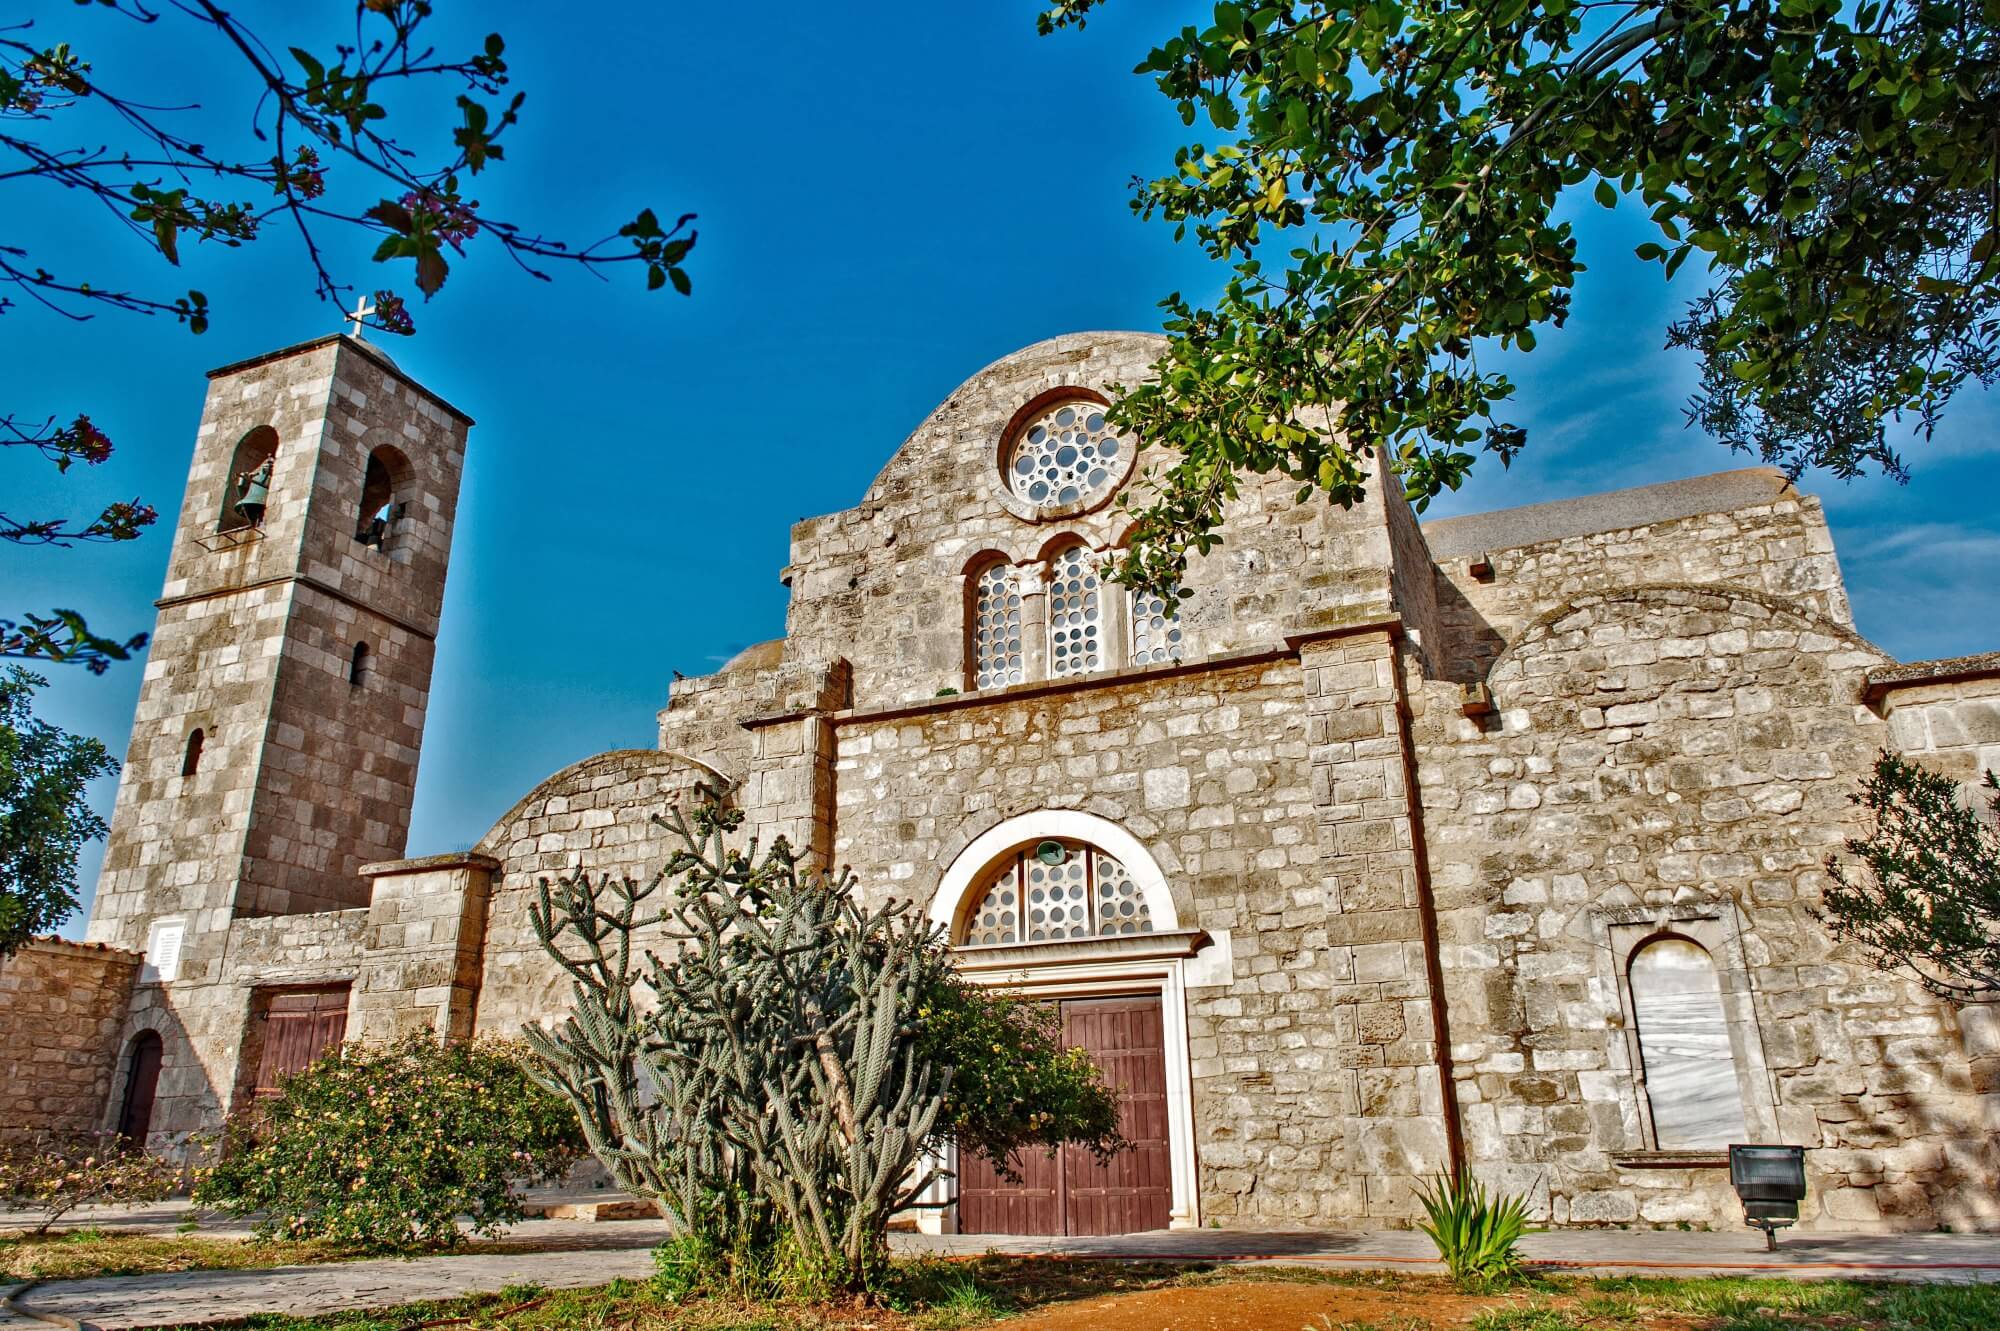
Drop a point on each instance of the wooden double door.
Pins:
(1069, 1191)
(299, 1027)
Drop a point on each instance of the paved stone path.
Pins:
(571, 1254)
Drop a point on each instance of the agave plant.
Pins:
(1477, 1234)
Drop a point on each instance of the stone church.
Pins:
(1491, 842)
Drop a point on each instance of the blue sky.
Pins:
(889, 199)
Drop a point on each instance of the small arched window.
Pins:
(1156, 628)
(1076, 614)
(246, 487)
(1684, 1041)
(1053, 890)
(385, 486)
(358, 665)
(996, 628)
(191, 759)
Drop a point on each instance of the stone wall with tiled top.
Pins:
(1945, 714)
(62, 1012)
(1680, 758)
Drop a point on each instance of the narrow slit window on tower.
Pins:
(358, 665)
(191, 760)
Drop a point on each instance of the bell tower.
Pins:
(275, 747)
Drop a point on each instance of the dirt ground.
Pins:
(1256, 1306)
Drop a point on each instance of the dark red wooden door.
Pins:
(142, 1083)
(1069, 1192)
(299, 1027)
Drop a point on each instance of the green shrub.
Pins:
(54, 1173)
(1014, 1086)
(1477, 1234)
(386, 1146)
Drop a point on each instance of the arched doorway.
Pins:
(142, 1083)
(1071, 908)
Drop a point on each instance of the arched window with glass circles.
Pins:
(997, 657)
(1055, 890)
(1076, 612)
(1156, 627)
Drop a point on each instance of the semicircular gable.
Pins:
(595, 816)
(626, 776)
(1655, 639)
(956, 450)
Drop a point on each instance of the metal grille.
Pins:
(996, 629)
(1156, 629)
(1121, 907)
(1029, 900)
(1058, 899)
(993, 919)
(1066, 455)
(1075, 614)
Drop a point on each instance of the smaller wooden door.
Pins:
(298, 1028)
(142, 1083)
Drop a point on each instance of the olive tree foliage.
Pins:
(1924, 892)
(44, 816)
(376, 137)
(784, 1074)
(1383, 188)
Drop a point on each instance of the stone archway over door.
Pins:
(1070, 1192)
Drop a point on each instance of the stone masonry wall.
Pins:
(597, 816)
(62, 1008)
(1680, 758)
(1946, 714)
(1762, 535)
(1213, 770)
(883, 584)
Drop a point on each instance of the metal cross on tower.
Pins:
(362, 309)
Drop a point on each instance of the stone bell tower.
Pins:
(275, 747)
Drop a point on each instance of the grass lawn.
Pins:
(77, 1253)
(1030, 1294)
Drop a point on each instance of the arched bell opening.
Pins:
(386, 484)
(246, 488)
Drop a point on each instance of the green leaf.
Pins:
(1607, 195)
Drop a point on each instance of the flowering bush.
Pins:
(386, 1146)
(1014, 1084)
(54, 1173)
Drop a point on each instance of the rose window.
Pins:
(1055, 890)
(1065, 456)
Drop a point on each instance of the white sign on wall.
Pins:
(163, 951)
